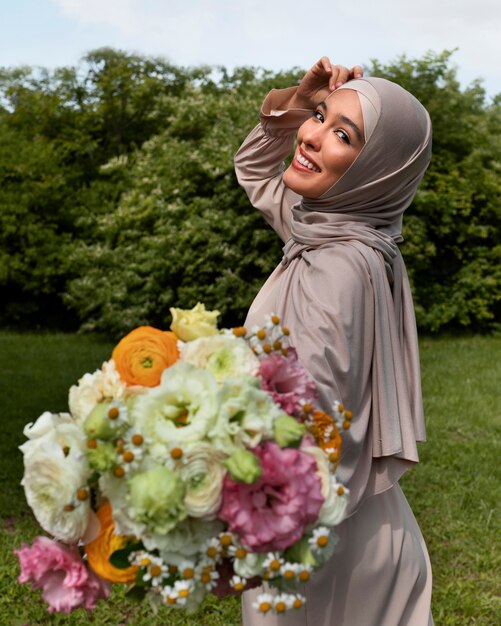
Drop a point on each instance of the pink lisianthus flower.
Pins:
(273, 513)
(67, 583)
(286, 380)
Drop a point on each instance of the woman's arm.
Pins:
(259, 163)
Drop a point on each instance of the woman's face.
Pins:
(327, 144)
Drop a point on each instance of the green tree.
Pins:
(56, 131)
(184, 231)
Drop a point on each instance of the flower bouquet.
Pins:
(193, 461)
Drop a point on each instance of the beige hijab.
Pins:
(364, 354)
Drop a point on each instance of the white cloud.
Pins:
(283, 34)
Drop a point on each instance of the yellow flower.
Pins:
(194, 323)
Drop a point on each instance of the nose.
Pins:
(312, 134)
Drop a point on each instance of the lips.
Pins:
(305, 162)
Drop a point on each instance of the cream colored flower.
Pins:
(104, 384)
(51, 482)
(225, 356)
(190, 324)
(203, 472)
(58, 428)
(333, 510)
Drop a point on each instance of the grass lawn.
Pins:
(455, 492)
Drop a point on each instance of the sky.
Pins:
(272, 34)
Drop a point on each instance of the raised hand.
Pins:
(321, 80)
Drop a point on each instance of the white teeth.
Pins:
(300, 158)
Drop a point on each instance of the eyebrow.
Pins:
(346, 120)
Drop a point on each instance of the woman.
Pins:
(342, 290)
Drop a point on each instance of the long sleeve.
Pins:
(259, 163)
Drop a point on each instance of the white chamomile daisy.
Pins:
(304, 572)
(186, 570)
(237, 552)
(273, 563)
(298, 601)
(183, 588)
(319, 539)
(212, 548)
(156, 571)
(282, 602)
(263, 603)
(208, 576)
(170, 596)
(238, 583)
(290, 571)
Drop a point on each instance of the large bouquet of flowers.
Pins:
(193, 461)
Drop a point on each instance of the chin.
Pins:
(293, 181)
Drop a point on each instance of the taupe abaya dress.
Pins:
(343, 292)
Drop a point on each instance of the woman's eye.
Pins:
(342, 135)
(318, 115)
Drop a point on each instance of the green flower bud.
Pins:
(102, 458)
(243, 466)
(157, 499)
(288, 431)
(98, 425)
(300, 552)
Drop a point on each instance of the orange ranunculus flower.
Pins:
(142, 355)
(103, 546)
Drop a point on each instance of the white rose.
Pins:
(225, 356)
(202, 471)
(335, 496)
(51, 481)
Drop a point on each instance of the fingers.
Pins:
(357, 71)
(338, 74)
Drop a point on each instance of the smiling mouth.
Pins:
(305, 163)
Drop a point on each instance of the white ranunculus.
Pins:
(226, 356)
(57, 428)
(335, 496)
(203, 473)
(104, 384)
(51, 481)
(182, 408)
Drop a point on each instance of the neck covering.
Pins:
(363, 210)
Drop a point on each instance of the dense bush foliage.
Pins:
(118, 197)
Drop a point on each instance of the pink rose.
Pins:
(273, 513)
(286, 380)
(67, 583)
